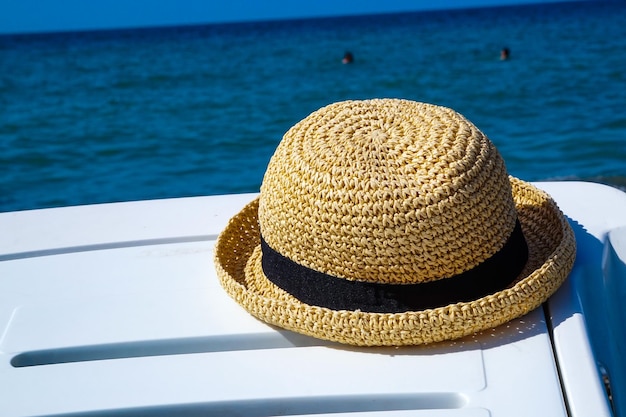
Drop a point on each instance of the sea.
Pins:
(119, 115)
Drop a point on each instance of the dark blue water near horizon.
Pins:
(91, 117)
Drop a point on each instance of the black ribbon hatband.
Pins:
(319, 289)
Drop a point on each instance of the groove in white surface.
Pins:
(223, 343)
(297, 406)
(104, 246)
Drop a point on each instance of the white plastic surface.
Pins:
(611, 353)
(579, 309)
(116, 308)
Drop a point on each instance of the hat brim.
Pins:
(552, 250)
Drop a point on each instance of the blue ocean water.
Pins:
(106, 116)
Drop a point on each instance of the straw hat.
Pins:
(392, 222)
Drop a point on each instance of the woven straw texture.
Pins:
(386, 191)
(391, 191)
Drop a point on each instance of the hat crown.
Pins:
(386, 191)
